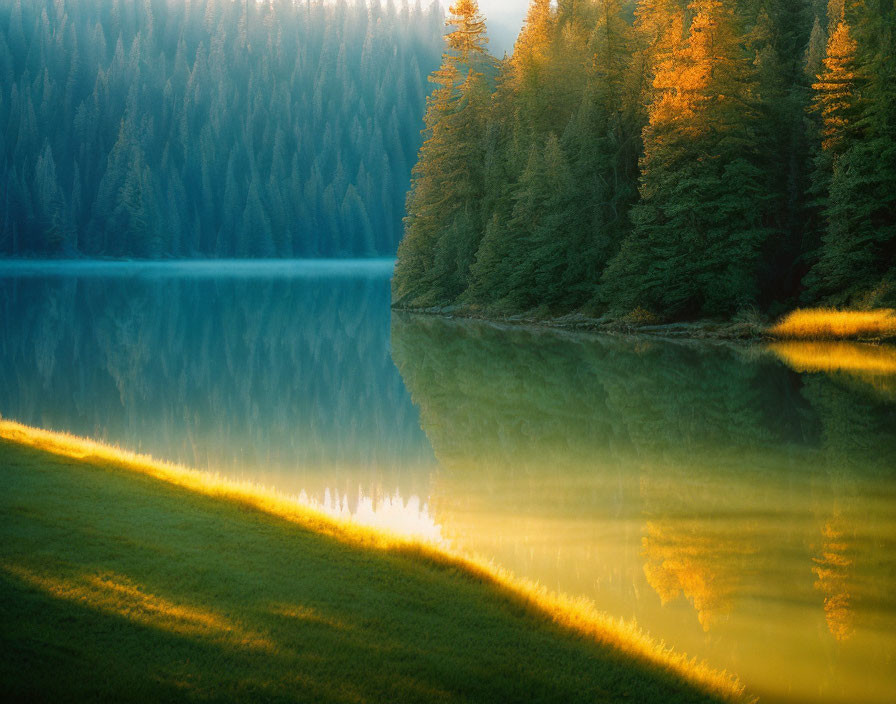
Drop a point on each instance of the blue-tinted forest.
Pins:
(149, 128)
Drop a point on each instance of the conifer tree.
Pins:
(698, 225)
(856, 168)
(443, 225)
(835, 90)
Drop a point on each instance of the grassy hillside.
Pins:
(118, 586)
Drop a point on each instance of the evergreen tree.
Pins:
(698, 226)
(836, 97)
(856, 169)
(443, 225)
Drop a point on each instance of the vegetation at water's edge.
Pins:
(148, 128)
(680, 159)
(828, 324)
(168, 594)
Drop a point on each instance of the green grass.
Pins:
(115, 586)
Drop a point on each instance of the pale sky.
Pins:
(503, 19)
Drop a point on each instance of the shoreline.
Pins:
(560, 622)
(708, 330)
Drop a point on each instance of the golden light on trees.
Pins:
(835, 87)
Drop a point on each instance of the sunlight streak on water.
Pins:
(409, 518)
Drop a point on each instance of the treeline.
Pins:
(210, 128)
(661, 158)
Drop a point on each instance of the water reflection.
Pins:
(742, 511)
(279, 373)
(739, 503)
(875, 365)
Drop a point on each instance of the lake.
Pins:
(738, 501)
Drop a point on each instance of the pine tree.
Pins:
(835, 90)
(856, 169)
(529, 67)
(50, 202)
(698, 227)
(443, 225)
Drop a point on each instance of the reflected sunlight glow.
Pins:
(874, 365)
(837, 356)
(393, 514)
(832, 570)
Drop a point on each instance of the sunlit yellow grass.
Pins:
(576, 614)
(831, 324)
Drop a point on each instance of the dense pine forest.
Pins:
(151, 128)
(659, 159)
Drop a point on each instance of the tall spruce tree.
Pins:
(444, 222)
(698, 227)
(856, 168)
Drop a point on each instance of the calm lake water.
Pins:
(739, 502)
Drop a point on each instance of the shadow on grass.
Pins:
(117, 587)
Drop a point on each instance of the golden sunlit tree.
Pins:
(659, 29)
(529, 66)
(855, 168)
(835, 89)
(701, 188)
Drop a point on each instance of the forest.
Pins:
(657, 160)
(149, 128)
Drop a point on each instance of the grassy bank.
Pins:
(123, 579)
(832, 324)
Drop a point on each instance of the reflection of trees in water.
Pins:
(857, 426)
(858, 444)
(704, 567)
(700, 418)
(832, 569)
(491, 405)
(210, 371)
(712, 446)
(699, 542)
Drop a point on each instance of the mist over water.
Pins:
(271, 371)
(741, 511)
